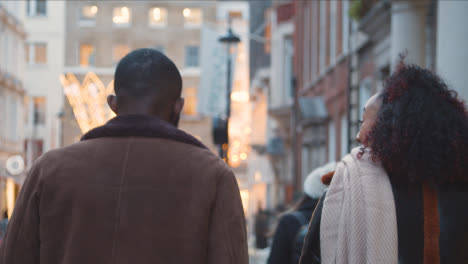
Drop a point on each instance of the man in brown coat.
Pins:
(136, 190)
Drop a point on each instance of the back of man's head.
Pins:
(146, 76)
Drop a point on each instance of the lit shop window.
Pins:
(193, 17)
(158, 17)
(88, 15)
(87, 55)
(190, 96)
(36, 53)
(121, 16)
(119, 51)
(36, 7)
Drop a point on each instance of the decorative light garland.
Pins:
(88, 100)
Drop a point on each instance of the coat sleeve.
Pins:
(21, 244)
(227, 242)
(311, 249)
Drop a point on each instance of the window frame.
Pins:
(190, 95)
(114, 46)
(186, 57)
(86, 23)
(79, 55)
(32, 8)
(160, 25)
(188, 24)
(122, 25)
(333, 30)
(30, 58)
(322, 36)
(345, 26)
(36, 120)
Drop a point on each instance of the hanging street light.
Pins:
(229, 40)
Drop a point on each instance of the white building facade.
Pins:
(12, 94)
(44, 62)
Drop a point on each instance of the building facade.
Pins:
(12, 103)
(44, 62)
(280, 19)
(344, 52)
(321, 68)
(99, 34)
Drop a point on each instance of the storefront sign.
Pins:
(15, 165)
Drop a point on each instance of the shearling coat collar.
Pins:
(141, 126)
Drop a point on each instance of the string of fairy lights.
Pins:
(88, 100)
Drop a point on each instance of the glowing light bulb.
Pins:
(157, 13)
(241, 97)
(243, 156)
(187, 12)
(125, 11)
(94, 10)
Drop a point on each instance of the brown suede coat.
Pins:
(135, 191)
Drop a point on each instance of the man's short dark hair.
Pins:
(147, 72)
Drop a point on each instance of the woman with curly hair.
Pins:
(402, 197)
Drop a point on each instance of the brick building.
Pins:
(321, 69)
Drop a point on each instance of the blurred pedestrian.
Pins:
(403, 196)
(136, 190)
(261, 228)
(292, 226)
(3, 225)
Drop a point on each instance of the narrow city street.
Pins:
(222, 109)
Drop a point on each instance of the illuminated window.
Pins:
(235, 14)
(39, 110)
(158, 17)
(36, 7)
(192, 56)
(87, 55)
(193, 16)
(119, 51)
(190, 96)
(121, 16)
(36, 53)
(88, 15)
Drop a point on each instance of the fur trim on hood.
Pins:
(141, 126)
(313, 186)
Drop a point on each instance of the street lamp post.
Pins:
(228, 40)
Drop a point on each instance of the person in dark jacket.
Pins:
(261, 228)
(283, 247)
(417, 128)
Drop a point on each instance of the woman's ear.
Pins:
(112, 101)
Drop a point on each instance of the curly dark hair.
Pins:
(421, 131)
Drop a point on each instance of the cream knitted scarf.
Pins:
(359, 223)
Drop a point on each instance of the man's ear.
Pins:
(112, 101)
(179, 105)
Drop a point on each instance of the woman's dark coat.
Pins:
(453, 214)
(284, 238)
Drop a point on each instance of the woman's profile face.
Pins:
(368, 119)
